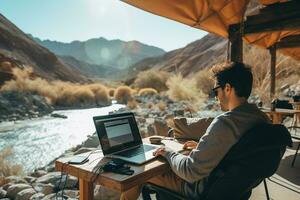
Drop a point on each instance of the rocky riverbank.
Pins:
(43, 183)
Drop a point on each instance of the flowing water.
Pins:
(36, 142)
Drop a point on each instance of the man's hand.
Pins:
(160, 151)
(190, 145)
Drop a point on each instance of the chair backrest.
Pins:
(256, 156)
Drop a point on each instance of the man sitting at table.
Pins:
(233, 85)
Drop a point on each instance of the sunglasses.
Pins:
(214, 91)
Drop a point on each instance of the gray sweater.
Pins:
(224, 131)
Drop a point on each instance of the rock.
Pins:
(3, 193)
(29, 179)
(91, 142)
(37, 196)
(150, 130)
(101, 192)
(25, 194)
(50, 168)
(54, 179)
(6, 186)
(38, 173)
(58, 116)
(161, 127)
(15, 179)
(53, 196)
(43, 188)
(13, 190)
(84, 150)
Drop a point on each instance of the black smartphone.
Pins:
(77, 160)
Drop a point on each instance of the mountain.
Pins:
(20, 50)
(100, 51)
(195, 56)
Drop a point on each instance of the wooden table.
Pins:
(278, 114)
(87, 176)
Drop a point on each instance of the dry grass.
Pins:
(259, 59)
(161, 106)
(204, 82)
(132, 104)
(58, 93)
(123, 94)
(152, 79)
(181, 89)
(111, 92)
(6, 168)
(147, 91)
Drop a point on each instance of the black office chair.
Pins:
(255, 157)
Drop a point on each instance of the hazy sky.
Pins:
(68, 20)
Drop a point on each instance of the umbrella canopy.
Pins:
(215, 16)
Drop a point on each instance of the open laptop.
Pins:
(120, 138)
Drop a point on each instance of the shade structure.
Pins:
(215, 16)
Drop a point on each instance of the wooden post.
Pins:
(86, 190)
(235, 37)
(272, 51)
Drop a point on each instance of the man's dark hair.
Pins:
(238, 75)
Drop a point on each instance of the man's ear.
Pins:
(227, 87)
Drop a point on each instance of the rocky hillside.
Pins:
(114, 53)
(189, 59)
(20, 50)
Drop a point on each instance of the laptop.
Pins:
(120, 138)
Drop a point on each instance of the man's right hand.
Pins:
(190, 145)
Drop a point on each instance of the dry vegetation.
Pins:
(58, 93)
(152, 79)
(123, 94)
(147, 91)
(287, 71)
(161, 106)
(132, 104)
(111, 92)
(204, 81)
(6, 168)
(181, 89)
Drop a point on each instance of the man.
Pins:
(233, 85)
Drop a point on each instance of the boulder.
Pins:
(38, 173)
(91, 142)
(15, 179)
(25, 194)
(161, 127)
(37, 196)
(6, 186)
(29, 179)
(3, 193)
(43, 188)
(54, 179)
(13, 190)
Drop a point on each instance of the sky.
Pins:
(69, 20)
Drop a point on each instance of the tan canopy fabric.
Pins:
(214, 16)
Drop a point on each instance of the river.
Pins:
(36, 142)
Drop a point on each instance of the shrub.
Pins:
(147, 91)
(58, 93)
(132, 104)
(6, 168)
(123, 94)
(111, 92)
(204, 82)
(152, 79)
(149, 105)
(183, 89)
(161, 106)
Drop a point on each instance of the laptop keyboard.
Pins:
(133, 152)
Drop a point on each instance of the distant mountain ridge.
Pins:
(195, 56)
(100, 51)
(16, 46)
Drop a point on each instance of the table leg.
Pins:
(277, 118)
(86, 190)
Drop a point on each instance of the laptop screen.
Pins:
(117, 132)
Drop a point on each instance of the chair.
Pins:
(255, 157)
(295, 136)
